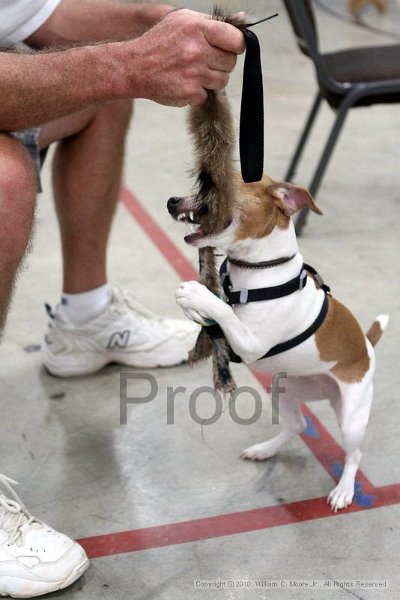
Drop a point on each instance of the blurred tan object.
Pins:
(356, 5)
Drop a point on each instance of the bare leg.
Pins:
(17, 204)
(87, 178)
(87, 173)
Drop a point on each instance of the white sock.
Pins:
(81, 308)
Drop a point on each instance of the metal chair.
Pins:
(346, 79)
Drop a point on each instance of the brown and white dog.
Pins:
(337, 362)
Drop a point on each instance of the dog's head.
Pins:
(258, 209)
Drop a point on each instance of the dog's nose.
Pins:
(173, 202)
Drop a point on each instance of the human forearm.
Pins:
(37, 88)
(173, 63)
(85, 21)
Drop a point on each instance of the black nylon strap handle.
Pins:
(251, 142)
(252, 112)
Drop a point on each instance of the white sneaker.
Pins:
(34, 559)
(126, 333)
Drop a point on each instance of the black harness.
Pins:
(298, 283)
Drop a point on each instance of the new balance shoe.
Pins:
(34, 558)
(126, 333)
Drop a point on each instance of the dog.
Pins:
(300, 329)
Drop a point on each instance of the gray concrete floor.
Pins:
(88, 475)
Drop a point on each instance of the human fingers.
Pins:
(220, 60)
(215, 80)
(197, 96)
(187, 11)
(224, 36)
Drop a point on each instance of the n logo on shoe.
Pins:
(119, 339)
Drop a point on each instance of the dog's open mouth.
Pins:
(197, 219)
(196, 231)
(193, 218)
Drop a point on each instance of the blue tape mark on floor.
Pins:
(311, 430)
(337, 470)
(360, 498)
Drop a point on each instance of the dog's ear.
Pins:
(292, 198)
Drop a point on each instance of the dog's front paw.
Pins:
(193, 315)
(197, 301)
(341, 497)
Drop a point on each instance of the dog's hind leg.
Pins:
(297, 390)
(353, 414)
(293, 422)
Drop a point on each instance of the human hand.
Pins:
(182, 57)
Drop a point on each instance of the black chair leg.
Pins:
(323, 163)
(303, 138)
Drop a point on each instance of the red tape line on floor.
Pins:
(224, 525)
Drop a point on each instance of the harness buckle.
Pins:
(244, 294)
(303, 279)
(322, 283)
(319, 280)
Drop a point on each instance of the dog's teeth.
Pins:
(192, 228)
(181, 217)
(191, 216)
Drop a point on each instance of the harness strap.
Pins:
(245, 296)
(317, 277)
(296, 341)
(278, 291)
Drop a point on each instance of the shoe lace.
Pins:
(13, 513)
(141, 312)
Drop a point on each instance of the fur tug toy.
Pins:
(212, 131)
(211, 127)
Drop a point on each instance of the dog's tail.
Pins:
(377, 328)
